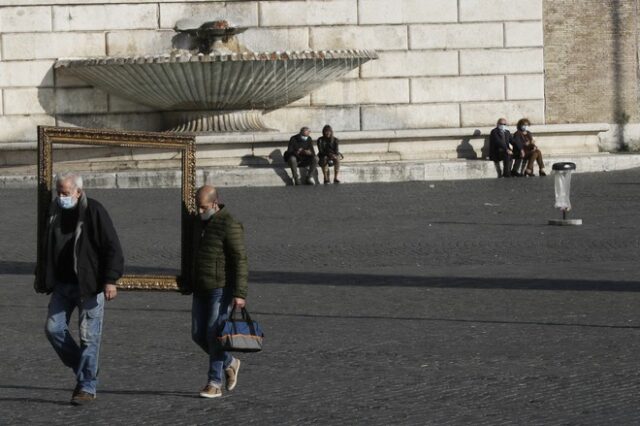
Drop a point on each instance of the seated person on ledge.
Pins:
(501, 148)
(300, 153)
(329, 154)
(532, 153)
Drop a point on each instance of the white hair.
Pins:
(77, 179)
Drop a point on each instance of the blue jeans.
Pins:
(82, 359)
(208, 312)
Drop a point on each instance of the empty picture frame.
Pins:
(184, 144)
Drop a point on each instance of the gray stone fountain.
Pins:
(212, 83)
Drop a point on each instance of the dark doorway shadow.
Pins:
(465, 149)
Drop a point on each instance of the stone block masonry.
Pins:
(443, 63)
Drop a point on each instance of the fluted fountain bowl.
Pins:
(216, 92)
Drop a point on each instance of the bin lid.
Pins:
(564, 166)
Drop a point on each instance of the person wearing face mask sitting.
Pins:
(329, 154)
(81, 260)
(300, 153)
(501, 148)
(532, 153)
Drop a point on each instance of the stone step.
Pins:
(363, 172)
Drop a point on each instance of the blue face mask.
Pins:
(524, 128)
(502, 127)
(67, 202)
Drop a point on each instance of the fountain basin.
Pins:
(216, 92)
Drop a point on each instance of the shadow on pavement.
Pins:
(370, 280)
(101, 391)
(37, 400)
(367, 280)
(473, 321)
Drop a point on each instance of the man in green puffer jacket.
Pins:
(220, 282)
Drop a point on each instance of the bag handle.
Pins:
(244, 316)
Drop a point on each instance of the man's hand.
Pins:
(239, 302)
(110, 291)
(509, 152)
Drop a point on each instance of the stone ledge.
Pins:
(242, 149)
(385, 135)
(474, 132)
(378, 172)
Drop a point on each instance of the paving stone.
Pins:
(411, 303)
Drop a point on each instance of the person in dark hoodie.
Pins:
(501, 148)
(81, 261)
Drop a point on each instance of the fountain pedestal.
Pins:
(217, 121)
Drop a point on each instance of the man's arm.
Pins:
(293, 145)
(110, 253)
(237, 259)
(495, 142)
(308, 147)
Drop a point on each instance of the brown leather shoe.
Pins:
(81, 397)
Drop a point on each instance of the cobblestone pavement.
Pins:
(414, 303)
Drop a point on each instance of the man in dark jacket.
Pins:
(300, 153)
(82, 260)
(220, 282)
(501, 148)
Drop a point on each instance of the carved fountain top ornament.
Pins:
(211, 82)
(217, 37)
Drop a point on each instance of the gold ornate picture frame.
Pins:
(185, 144)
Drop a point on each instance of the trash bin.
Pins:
(562, 181)
(562, 174)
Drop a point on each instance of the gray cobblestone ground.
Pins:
(382, 304)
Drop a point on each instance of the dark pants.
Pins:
(518, 161)
(505, 158)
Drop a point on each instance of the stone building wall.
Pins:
(591, 61)
(443, 63)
